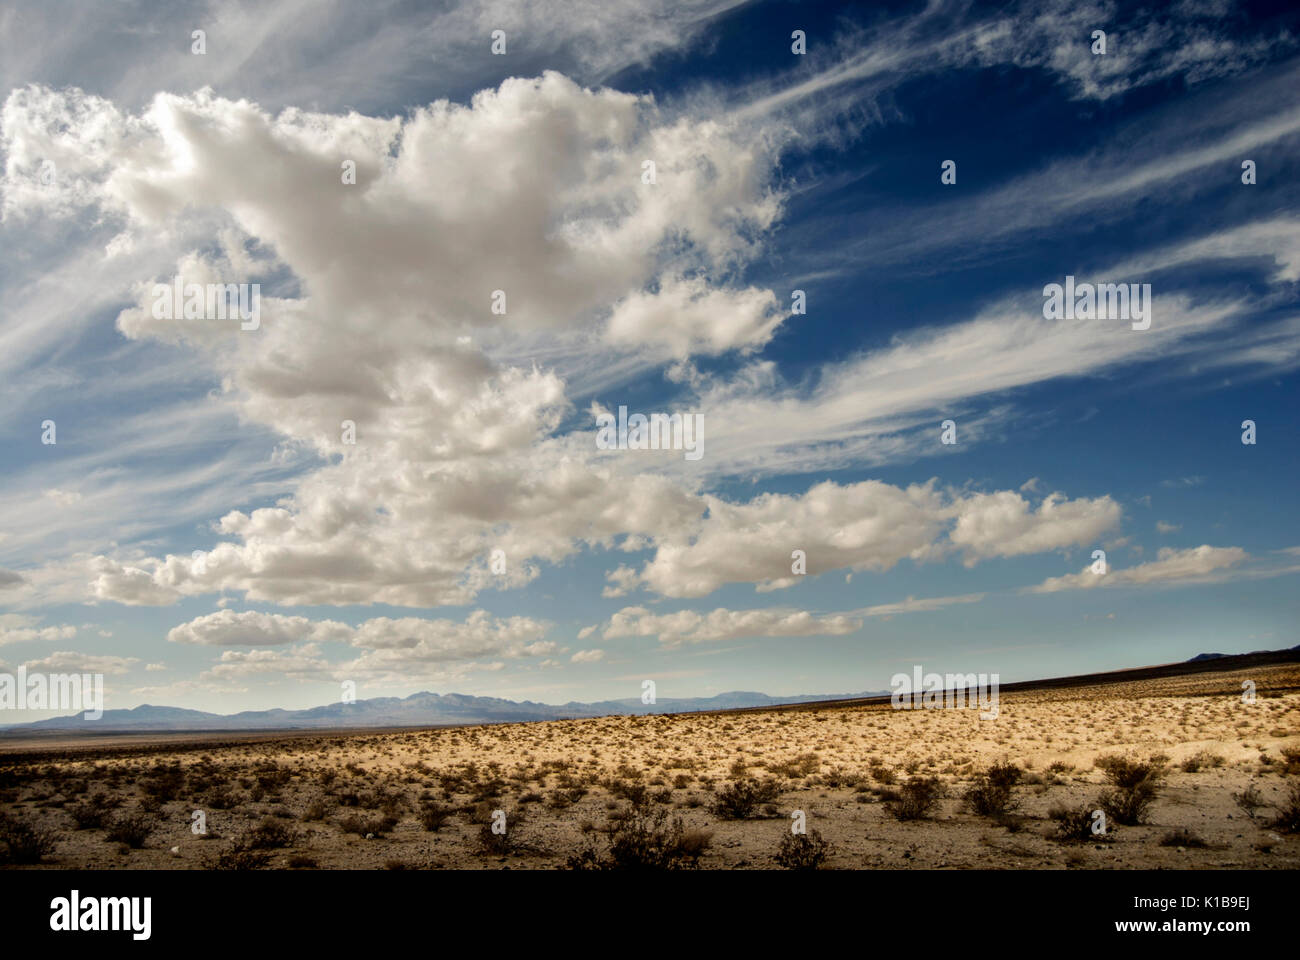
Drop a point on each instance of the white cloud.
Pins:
(389, 642)
(918, 605)
(332, 52)
(68, 661)
(686, 317)
(622, 581)
(129, 585)
(226, 628)
(863, 526)
(455, 454)
(688, 626)
(20, 628)
(1004, 524)
(1203, 564)
(64, 498)
(297, 663)
(391, 650)
(886, 404)
(1057, 36)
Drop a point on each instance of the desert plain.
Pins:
(1185, 771)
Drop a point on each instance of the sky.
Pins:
(822, 231)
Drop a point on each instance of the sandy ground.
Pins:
(562, 786)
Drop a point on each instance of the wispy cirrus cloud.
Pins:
(1203, 564)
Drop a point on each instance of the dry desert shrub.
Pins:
(1135, 785)
(92, 813)
(221, 797)
(133, 829)
(742, 799)
(164, 783)
(804, 765)
(241, 856)
(1288, 812)
(991, 794)
(567, 796)
(915, 799)
(22, 842)
(1203, 759)
(1291, 760)
(499, 842)
(645, 841)
(1074, 824)
(803, 851)
(633, 791)
(434, 816)
(270, 834)
(1250, 801)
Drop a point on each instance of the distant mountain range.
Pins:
(432, 709)
(417, 710)
(1219, 656)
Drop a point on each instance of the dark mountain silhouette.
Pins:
(1253, 653)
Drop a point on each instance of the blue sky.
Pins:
(201, 534)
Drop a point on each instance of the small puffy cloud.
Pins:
(588, 656)
(688, 626)
(687, 317)
(68, 661)
(622, 581)
(1162, 527)
(297, 663)
(69, 136)
(1005, 524)
(182, 688)
(129, 585)
(20, 628)
(226, 628)
(434, 641)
